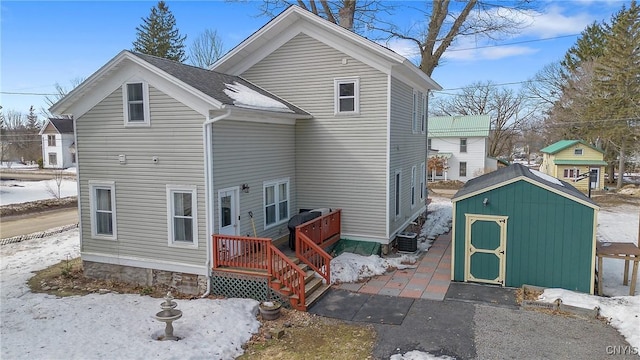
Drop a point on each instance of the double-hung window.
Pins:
(53, 158)
(182, 215)
(423, 179)
(463, 145)
(102, 199)
(276, 202)
(347, 96)
(463, 168)
(136, 103)
(413, 186)
(51, 140)
(423, 127)
(397, 193)
(415, 113)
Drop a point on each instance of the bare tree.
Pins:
(54, 190)
(444, 22)
(206, 49)
(61, 91)
(509, 112)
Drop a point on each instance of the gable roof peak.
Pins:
(564, 144)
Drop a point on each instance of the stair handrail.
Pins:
(296, 283)
(306, 249)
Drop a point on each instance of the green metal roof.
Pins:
(580, 162)
(563, 144)
(459, 126)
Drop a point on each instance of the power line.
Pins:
(514, 43)
(26, 93)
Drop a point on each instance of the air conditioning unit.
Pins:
(407, 241)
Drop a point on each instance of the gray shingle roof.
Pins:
(209, 82)
(64, 126)
(513, 171)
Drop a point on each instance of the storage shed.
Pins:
(518, 226)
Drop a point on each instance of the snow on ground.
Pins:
(16, 191)
(619, 224)
(17, 166)
(419, 355)
(38, 326)
(95, 326)
(349, 267)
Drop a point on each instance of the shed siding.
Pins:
(340, 161)
(407, 149)
(549, 237)
(175, 137)
(251, 153)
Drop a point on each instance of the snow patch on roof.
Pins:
(248, 98)
(544, 176)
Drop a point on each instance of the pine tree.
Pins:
(33, 125)
(617, 83)
(158, 35)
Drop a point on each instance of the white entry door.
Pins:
(228, 222)
(594, 184)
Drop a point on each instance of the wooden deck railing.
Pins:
(314, 236)
(241, 253)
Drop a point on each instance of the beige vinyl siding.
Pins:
(340, 160)
(407, 149)
(252, 153)
(175, 137)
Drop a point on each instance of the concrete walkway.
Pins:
(429, 280)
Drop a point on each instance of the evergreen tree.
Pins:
(617, 84)
(158, 35)
(33, 125)
(589, 46)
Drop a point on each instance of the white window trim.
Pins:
(466, 145)
(97, 184)
(415, 113)
(413, 192)
(171, 189)
(275, 184)
(397, 181)
(55, 140)
(425, 106)
(336, 95)
(145, 102)
(423, 179)
(578, 152)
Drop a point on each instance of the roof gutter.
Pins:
(208, 188)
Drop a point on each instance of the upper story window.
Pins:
(463, 145)
(415, 113)
(577, 151)
(136, 104)
(182, 215)
(51, 140)
(102, 199)
(276, 202)
(347, 96)
(425, 106)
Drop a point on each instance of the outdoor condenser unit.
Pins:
(407, 241)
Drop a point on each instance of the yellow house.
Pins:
(572, 160)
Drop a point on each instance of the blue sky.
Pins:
(53, 41)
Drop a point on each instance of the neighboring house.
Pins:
(58, 145)
(518, 226)
(462, 142)
(169, 154)
(572, 160)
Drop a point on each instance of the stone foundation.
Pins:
(185, 283)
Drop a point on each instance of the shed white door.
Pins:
(485, 245)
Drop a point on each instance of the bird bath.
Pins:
(168, 315)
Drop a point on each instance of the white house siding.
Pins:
(340, 160)
(252, 153)
(475, 156)
(407, 149)
(175, 137)
(63, 155)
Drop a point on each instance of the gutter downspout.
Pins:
(208, 188)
